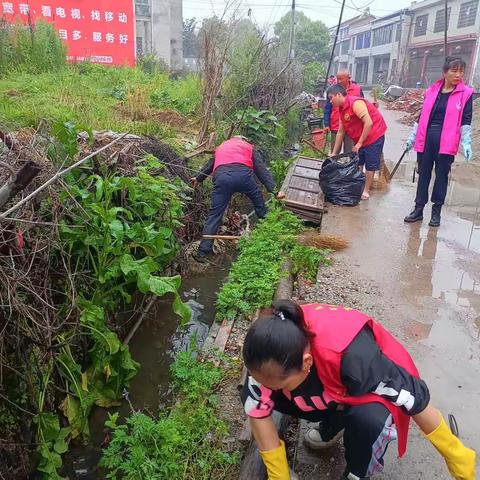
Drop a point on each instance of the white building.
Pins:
(159, 30)
(426, 53)
(378, 49)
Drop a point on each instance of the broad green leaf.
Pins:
(116, 229)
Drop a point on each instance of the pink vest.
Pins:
(234, 150)
(450, 139)
(335, 328)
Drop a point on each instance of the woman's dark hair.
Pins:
(337, 88)
(453, 62)
(282, 337)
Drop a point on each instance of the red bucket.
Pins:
(319, 138)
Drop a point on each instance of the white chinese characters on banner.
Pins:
(7, 8)
(46, 11)
(95, 15)
(101, 30)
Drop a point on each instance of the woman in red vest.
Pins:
(339, 367)
(445, 122)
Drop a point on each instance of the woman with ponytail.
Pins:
(338, 367)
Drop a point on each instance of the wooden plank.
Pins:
(309, 163)
(223, 334)
(303, 199)
(305, 172)
(305, 184)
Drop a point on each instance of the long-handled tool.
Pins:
(398, 164)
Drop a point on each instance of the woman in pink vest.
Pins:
(445, 122)
(339, 367)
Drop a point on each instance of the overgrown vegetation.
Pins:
(36, 49)
(254, 276)
(37, 84)
(113, 235)
(185, 443)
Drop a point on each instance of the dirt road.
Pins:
(424, 285)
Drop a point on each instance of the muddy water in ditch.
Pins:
(154, 345)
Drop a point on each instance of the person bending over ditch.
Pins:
(339, 367)
(234, 164)
(364, 124)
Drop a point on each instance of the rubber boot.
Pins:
(436, 211)
(415, 216)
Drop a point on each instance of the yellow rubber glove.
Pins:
(276, 463)
(460, 460)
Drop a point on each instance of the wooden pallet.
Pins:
(303, 195)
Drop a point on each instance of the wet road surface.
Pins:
(430, 278)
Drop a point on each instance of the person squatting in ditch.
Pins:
(364, 124)
(234, 166)
(444, 123)
(339, 367)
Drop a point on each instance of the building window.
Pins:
(362, 41)
(344, 48)
(440, 20)
(382, 35)
(343, 33)
(142, 8)
(398, 32)
(468, 14)
(140, 50)
(420, 25)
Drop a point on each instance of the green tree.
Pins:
(313, 73)
(311, 38)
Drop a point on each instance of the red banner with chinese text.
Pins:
(101, 31)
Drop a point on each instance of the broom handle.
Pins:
(398, 164)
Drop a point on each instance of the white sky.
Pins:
(267, 12)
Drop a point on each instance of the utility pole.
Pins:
(334, 46)
(445, 32)
(291, 49)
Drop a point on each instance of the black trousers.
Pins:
(368, 428)
(368, 431)
(226, 182)
(426, 161)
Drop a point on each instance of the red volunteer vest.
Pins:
(354, 126)
(234, 150)
(334, 329)
(353, 90)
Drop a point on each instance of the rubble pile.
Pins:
(411, 103)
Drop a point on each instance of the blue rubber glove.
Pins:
(466, 131)
(411, 139)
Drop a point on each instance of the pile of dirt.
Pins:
(411, 103)
(476, 129)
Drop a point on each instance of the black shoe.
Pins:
(415, 216)
(436, 211)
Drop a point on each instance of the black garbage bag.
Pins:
(342, 182)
